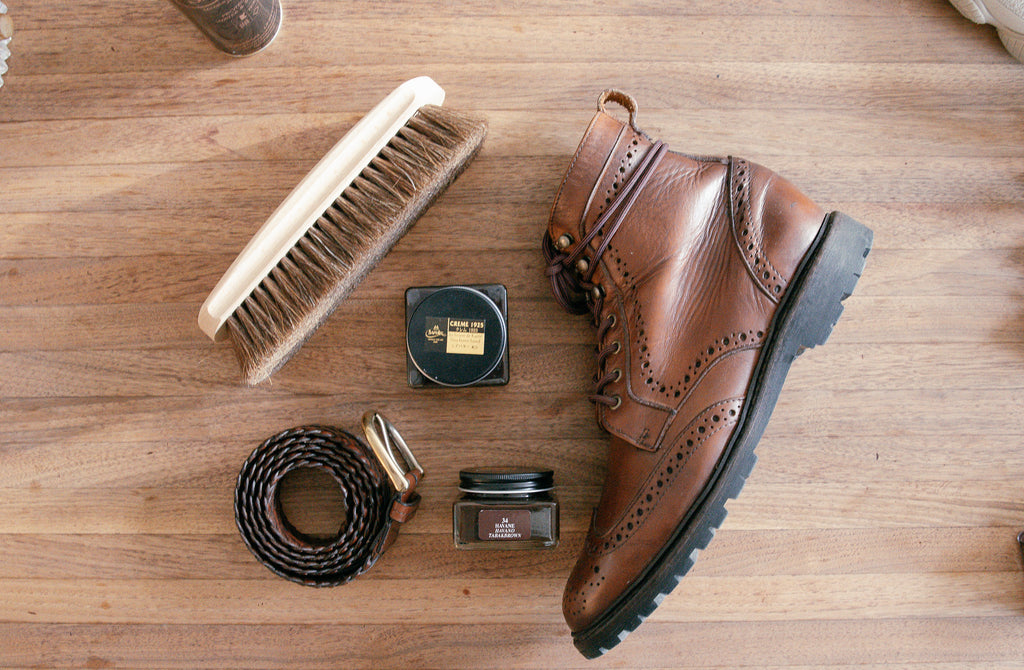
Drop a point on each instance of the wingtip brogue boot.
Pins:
(705, 278)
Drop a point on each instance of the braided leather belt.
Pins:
(378, 492)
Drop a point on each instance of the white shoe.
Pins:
(1006, 15)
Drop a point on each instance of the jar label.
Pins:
(497, 524)
(466, 336)
(455, 336)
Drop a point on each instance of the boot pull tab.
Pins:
(623, 99)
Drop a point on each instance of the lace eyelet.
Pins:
(618, 347)
(617, 372)
(611, 320)
(618, 402)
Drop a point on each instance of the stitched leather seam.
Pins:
(626, 164)
(733, 343)
(671, 464)
(747, 236)
(572, 164)
(759, 253)
(581, 225)
(738, 342)
(752, 345)
(604, 412)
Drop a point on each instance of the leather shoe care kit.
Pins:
(705, 278)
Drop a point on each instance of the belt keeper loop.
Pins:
(402, 511)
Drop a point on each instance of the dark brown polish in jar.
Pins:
(505, 508)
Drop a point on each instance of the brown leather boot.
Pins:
(706, 277)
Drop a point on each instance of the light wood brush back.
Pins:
(351, 237)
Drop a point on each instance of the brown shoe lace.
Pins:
(572, 275)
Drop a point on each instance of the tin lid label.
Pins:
(455, 336)
(466, 336)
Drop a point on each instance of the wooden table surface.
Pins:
(879, 529)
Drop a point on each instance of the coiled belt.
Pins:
(378, 492)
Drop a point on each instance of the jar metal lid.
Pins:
(498, 481)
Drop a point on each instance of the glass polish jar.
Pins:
(505, 508)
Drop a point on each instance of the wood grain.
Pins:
(939, 644)
(879, 528)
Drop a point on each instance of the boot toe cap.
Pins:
(587, 594)
(600, 580)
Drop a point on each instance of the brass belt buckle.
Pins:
(383, 438)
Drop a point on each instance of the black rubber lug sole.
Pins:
(804, 319)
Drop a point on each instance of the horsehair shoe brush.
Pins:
(338, 223)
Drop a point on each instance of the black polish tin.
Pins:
(457, 335)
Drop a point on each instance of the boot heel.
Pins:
(827, 279)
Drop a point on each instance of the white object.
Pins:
(1006, 15)
(6, 33)
(314, 194)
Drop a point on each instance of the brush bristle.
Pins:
(351, 237)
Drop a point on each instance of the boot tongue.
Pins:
(579, 191)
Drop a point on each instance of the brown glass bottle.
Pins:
(237, 27)
(506, 508)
